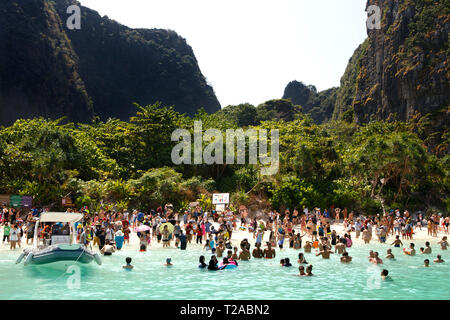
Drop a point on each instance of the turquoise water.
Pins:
(255, 279)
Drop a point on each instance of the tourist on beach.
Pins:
(438, 259)
(346, 258)
(301, 259)
(213, 264)
(385, 275)
(443, 243)
(411, 251)
(301, 270)
(107, 249)
(376, 259)
(389, 254)
(128, 265)
(168, 262)
(397, 242)
(339, 248)
(6, 231)
(13, 237)
(325, 253)
(183, 240)
(202, 264)
(427, 249)
(244, 255)
(119, 239)
(287, 263)
(257, 252)
(269, 252)
(309, 271)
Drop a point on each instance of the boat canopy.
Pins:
(60, 217)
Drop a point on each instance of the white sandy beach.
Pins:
(419, 237)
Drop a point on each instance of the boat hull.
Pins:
(59, 253)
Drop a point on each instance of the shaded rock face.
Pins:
(405, 67)
(38, 66)
(102, 69)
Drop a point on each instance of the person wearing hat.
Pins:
(119, 239)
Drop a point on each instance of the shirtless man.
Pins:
(427, 249)
(339, 248)
(269, 253)
(346, 258)
(244, 255)
(366, 235)
(325, 253)
(411, 252)
(438, 259)
(443, 243)
(308, 247)
(397, 242)
(376, 259)
(257, 252)
(389, 254)
(220, 249)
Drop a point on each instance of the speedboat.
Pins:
(60, 246)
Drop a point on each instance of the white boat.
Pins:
(60, 247)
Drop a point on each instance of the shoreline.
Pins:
(419, 237)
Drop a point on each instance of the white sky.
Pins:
(249, 50)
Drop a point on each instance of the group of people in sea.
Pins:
(110, 231)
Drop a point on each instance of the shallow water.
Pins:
(255, 279)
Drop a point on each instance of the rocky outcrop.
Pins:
(101, 69)
(405, 67)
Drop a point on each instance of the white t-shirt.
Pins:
(14, 235)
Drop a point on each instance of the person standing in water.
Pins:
(257, 252)
(269, 252)
(128, 264)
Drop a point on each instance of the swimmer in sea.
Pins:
(301, 258)
(438, 259)
(269, 253)
(397, 242)
(325, 253)
(202, 264)
(168, 262)
(309, 271)
(257, 252)
(385, 275)
(389, 254)
(244, 255)
(376, 259)
(426, 263)
(282, 263)
(371, 255)
(213, 264)
(301, 271)
(339, 248)
(411, 252)
(287, 263)
(346, 258)
(308, 247)
(427, 249)
(128, 265)
(443, 243)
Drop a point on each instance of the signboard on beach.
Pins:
(221, 198)
(27, 201)
(67, 202)
(4, 199)
(15, 201)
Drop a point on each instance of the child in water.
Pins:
(128, 266)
